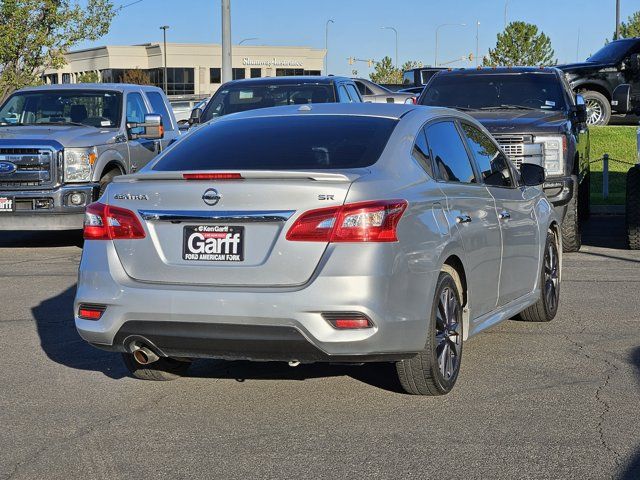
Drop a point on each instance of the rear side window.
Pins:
(353, 93)
(449, 153)
(493, 165)
(421, 153)
(282, 143)
(343, 96)
(158, 106)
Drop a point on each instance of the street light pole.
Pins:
(506, 4)
(435, 63)
(164, 29)
(396, 32)
(226, 41)
(326, 46)
(617, 19)
(477, 42)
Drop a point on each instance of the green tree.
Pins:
(521, 44)
(36, 34)
(89, 77)
(136, 76)
(385, 72)
(630, 28)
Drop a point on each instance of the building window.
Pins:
(238, 73)
(215, 75)
(256, 72)
(312, 72)
(50, 79)
(66, 78)
(289, 72)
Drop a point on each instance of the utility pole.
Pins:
(226, 41)
(326, 46)
(164, 29)
(506, 5)
(617, 19)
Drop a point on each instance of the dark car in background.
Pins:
(250, 94)
(616, 63)
(536, 118)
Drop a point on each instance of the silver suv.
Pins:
(60, 145)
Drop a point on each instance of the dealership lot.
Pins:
(535, 401)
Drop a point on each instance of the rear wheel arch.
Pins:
(453, 266)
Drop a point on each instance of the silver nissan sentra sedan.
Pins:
(319, 233)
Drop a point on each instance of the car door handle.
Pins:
(463, 219)
(504, 215)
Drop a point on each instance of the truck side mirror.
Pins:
(196, 115)
(581, 109)
(151, 129)
(621, 98)
(532, 175)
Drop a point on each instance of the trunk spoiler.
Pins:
(318, 176)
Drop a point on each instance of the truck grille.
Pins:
(35, 167)
(514, 146)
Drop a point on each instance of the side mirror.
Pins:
(196, 115)
(151, 129)
(633, 63)
(621, 98)
(581, 109)
(532, 175)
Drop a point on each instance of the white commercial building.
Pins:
(192, 69)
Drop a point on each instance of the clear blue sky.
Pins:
(356, 31)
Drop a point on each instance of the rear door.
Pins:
(515, 206)
(471, 207)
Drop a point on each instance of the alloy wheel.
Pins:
(595, 112)
(551, 276)
(448, 334)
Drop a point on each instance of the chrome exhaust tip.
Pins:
(144, 356)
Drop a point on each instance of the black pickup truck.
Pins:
(596, 79)
(536, 118)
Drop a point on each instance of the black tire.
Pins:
(632, 208)
(546, 308)
(571, 226)
(422, 375)
(161, 370)
(584, 204)
(598, 108)
(107, 178)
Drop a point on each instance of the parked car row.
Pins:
(295, 222)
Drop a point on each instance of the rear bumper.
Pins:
(260, 323)
(60, 214)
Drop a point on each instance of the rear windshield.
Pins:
(281, 143)
(240, 98)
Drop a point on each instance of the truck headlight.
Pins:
(78, 163)
(553, 148)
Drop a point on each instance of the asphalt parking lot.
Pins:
(559, 400)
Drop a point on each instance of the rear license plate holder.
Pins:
(213, 243)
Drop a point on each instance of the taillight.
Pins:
(375, 221)
(91, 312)
(106, 222)
(212, 176)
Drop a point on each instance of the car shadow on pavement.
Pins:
(379, 375)
(70, 238)
(632, 470)
(62, 343)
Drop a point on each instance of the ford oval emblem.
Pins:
(7, 167)
(211, 197)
